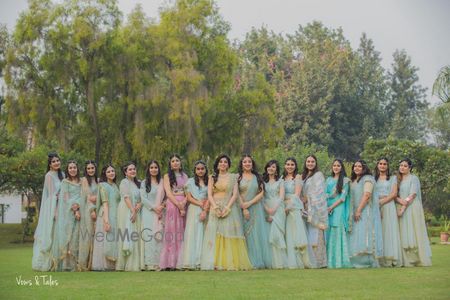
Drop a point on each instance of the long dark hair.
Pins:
(205, 177)
(377, 172)
(50, 157)
(216, 166)
(171, 173)
(277, 173)
(254, 171)
(305, 173)
(90, 178)
(67, 170)
(103, 177)
(342, 174)
(124, 171)
(148, 176)
(296, 167)
(365, 170)
(400, 175)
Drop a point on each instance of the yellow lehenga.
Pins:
(224, 245)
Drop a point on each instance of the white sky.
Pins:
(421, 27)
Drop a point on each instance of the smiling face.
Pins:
(223, 164)
(153, 169)
(130, 172)
(337, 168)
(90, 170)
(110, 173)
(200, 170)
(72, 169)
(382, 166)
(175, 163)
(272, 170)
(310, 163)
(404, 168)
(55, 164)
(358, 168)
(247, 164)
(290, 166)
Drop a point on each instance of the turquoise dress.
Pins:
(191, 250)
(67, 228)
(105, 244)
(256, 229)
(43, 236)
(277, 228)
(129, 238)
(413, 231)
(392, 252)
(338, 225)
(297, 248)
(87, 225)
(366, 244)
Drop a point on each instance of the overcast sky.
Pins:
(421, 27)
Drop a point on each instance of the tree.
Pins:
(441, 86)
(439, 124)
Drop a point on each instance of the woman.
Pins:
(275, 215)
(129, 221)
(251, 191)
(174, 182)
(365, 245)
(413, 232)
(105, 243)
(152, 196)
(43, 236)
(89, 190)
(298, 251)
(338, 200)
(224, 241)
(197, 194)
(314, 199)
(67, 225)
(385, 192)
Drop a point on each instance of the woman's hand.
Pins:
(77, 215)
(93, 215)
(246, 214)
(357, 216)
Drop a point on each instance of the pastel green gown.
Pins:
(256, 229)
(43, 236)
(129, 233)
(105, 243)
(338, 225)
(392, 251)
(67, 228)
(413, 231)
(87, 225)
(277, 228)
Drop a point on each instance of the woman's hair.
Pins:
(67, 170)
(148, 176)
(277, 172)
(377, 171)
(50, 157)
(90, 178)
(342, 174)
(254, 171)
(365, 170)
(103, 177)
(124, 171)
(305, 173)
(171, 173)
(216, 166)
(296, 167)
(205, 177)
(400, 175)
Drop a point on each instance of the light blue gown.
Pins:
(298, 250)
(277, 228)
(392, 252)
(43, 236)
(191, 250)
(256, 229)
(366, 244)
(338, 225)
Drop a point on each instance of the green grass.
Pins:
(404, 283)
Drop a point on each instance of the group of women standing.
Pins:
(225, 221)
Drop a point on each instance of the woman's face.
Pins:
(200, 170)
(175, 163)
(289, 166)
(90, 169)
(247, 164)
(404, 168)
(110, 173)
(272, 169)
(153, 169)
(131, 171)
(55, 164)
(337, 168)
(358, 168)
(310, 163)
(72, 169)
(382, 166)
(223, 164)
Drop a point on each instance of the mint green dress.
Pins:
(87, 225)
(338, 225)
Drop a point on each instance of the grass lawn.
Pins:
(403, 283)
